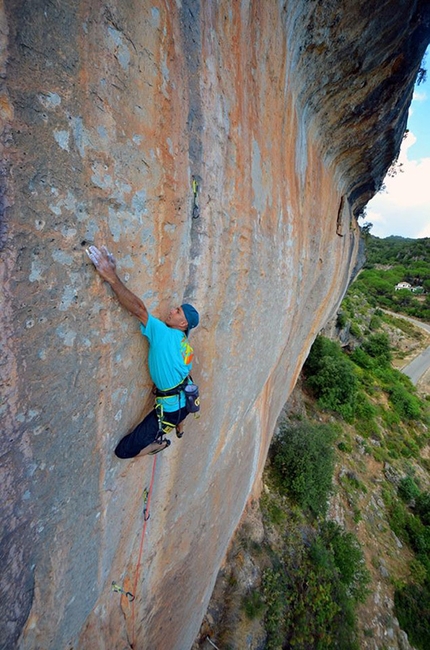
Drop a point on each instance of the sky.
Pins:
(403, 208)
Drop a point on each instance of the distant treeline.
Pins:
(396, 250)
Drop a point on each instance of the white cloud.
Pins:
(404, 207)
(419, 96)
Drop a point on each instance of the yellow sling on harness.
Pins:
(165, 426)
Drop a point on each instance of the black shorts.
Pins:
(146, 432)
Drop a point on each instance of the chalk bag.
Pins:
(192, 398)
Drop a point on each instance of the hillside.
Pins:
(353, 408)
(395, 260)
(396, 250)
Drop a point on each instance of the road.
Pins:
(416, 368)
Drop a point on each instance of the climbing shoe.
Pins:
(157, 451)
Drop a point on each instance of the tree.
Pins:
(303, 459)
(331, 376)
(378, 346)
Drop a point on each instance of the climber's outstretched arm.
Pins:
(105, 264)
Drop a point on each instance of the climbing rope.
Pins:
(147, 493)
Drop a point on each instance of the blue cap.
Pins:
(192, 316)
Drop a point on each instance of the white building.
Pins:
(403, 285)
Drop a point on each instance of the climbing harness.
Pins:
(176, 390)
(192, 403)
(118, 589)
(196, 208)
(187, 386)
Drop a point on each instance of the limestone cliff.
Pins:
(288, 114)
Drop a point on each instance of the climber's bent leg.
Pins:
(142, 440)
(142, 436)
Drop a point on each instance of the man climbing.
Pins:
(169, 359)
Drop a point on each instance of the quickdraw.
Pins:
(145, 497)
(196, 209)
(118, 589)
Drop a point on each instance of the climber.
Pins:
(169, 359)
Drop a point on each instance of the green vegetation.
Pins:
(317, 574)
(411, 523)
(253, 605)
(360, 386)
(393, 260)
(303, 463)
(412, 604)
(408, 490)
(396, 251)
(345, 383)
(331, 376)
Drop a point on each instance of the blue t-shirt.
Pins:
(170, 359)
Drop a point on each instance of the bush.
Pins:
(303, 461)
(367, 428)
(418, 571)
(391, 379)
(362, 359)
(418, 534)
(274, 590)
(354, 330)
(397, 520)
(348, 558)
(405, 404)
(341, 320)
(253, 604)
(276, 515)
(310, 592)
(378, 347)
(410, 603)
(321, 348)
(375, 322)
(309, 597)
(390, 418)
(411, 448)
(327, 586)
(363, 408)
(408, 490)
(331, 376)
(345, 446)
(422, 507)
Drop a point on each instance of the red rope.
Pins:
(146, 518)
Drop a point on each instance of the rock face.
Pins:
(288, 114)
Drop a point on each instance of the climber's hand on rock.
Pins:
(104, 262)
